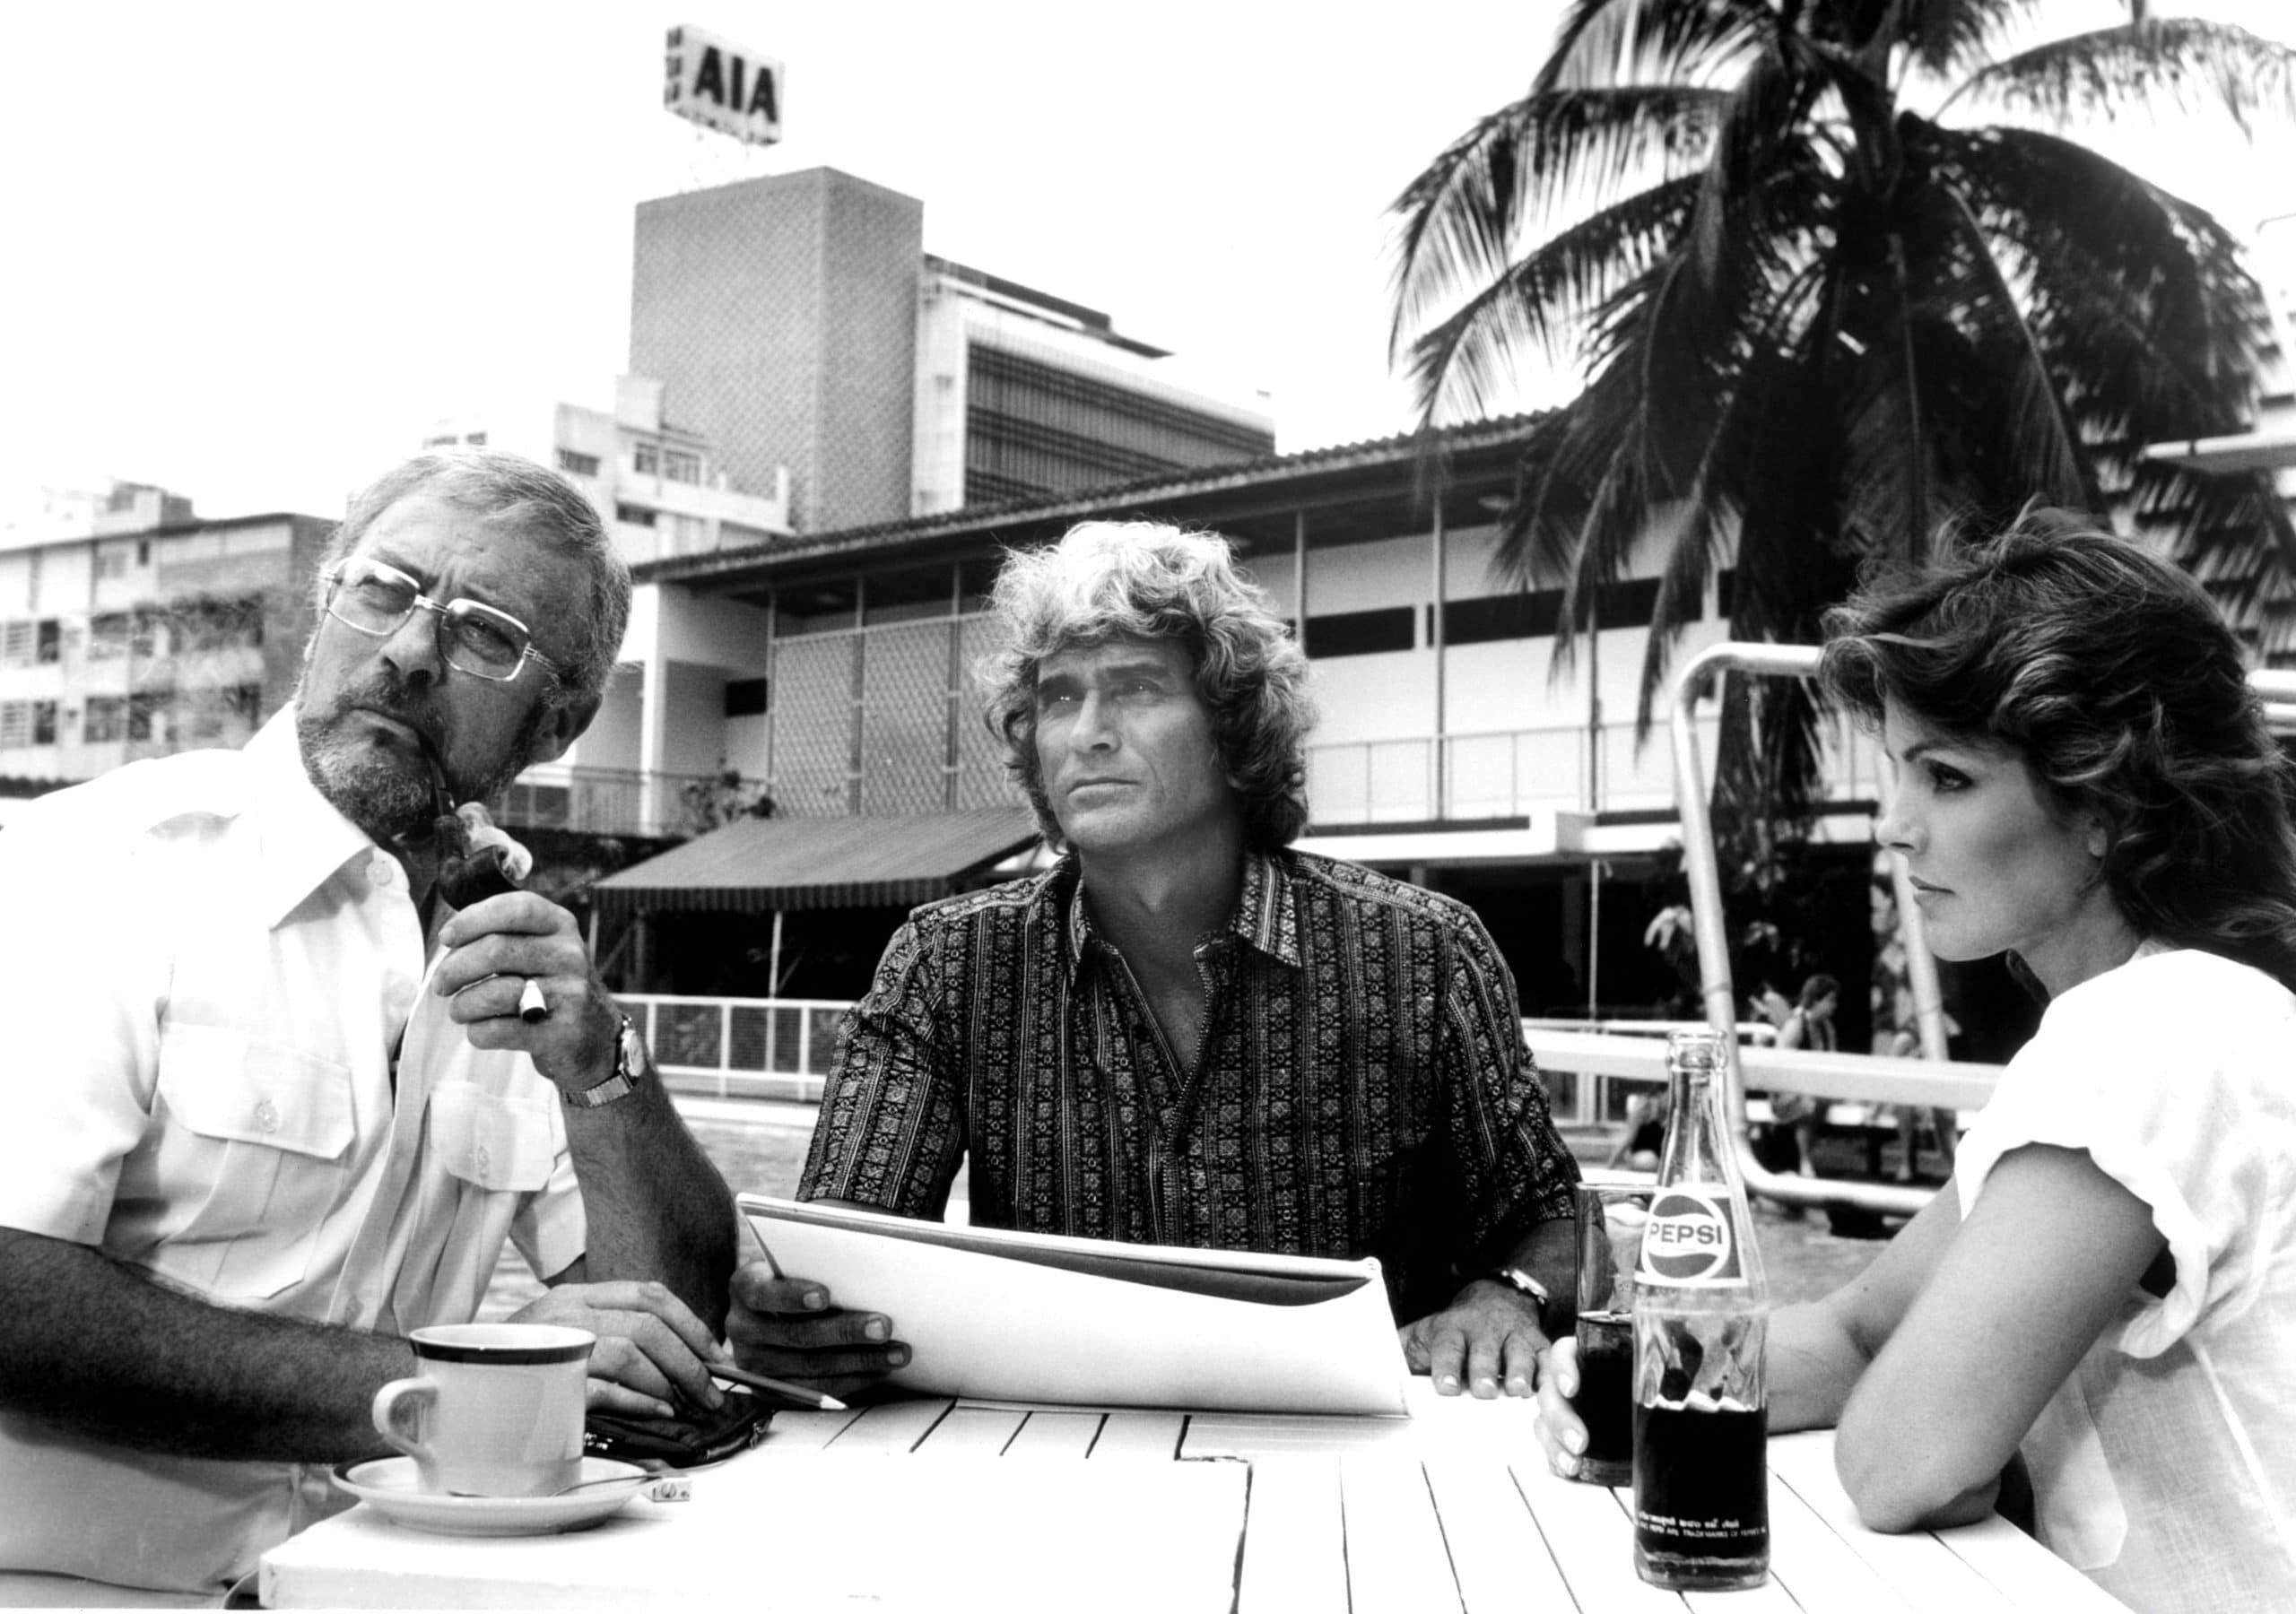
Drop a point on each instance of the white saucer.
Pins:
(389, 1483)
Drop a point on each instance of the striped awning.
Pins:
(758, 865)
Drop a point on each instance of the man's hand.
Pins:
(494, 949)
(1486, 1340)
(787, 1328)
(650, 1346)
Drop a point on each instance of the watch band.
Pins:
(1514, 1278)
(631, 1065)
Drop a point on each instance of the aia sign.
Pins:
(723, 86)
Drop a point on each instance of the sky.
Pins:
(257, 249)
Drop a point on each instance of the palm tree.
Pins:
(1818, 322)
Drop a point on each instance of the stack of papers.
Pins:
(993, 1315)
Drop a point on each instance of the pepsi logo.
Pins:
(1690, 1239)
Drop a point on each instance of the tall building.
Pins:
(799, 324)
(148, 632)
(659, 486)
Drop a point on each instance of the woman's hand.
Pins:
(1561, 1434)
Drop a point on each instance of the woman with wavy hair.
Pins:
(2107, 1288)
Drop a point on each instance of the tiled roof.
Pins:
(1269, 470)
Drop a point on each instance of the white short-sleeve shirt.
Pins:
(230, 1075)
(2165, 1467)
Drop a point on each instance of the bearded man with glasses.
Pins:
(274, 1104)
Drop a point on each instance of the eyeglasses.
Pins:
(473, 638)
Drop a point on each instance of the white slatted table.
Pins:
(933, 1504)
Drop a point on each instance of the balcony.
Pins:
(603, 801)
(1519, 773)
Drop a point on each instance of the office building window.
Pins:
(148, 716)
(43, 723)
(746, 697)
(679, 466)
(52, 641)
(106, 719)
(107, 637)
(646, 458)
(111, 563)
(635, 515)
(17, 643)
(1359, 632)
(15, 723)
(577, 464)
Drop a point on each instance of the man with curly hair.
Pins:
(1188, 1033)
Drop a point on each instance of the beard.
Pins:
(387, 790)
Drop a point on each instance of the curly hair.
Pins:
(1141, 580)
(536, 500)
(2112, 675)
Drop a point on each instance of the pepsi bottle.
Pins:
(1702, 1475)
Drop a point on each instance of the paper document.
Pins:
(1000, 1315)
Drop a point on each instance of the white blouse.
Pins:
(2165, 1467)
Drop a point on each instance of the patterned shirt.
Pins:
(1362, 1088)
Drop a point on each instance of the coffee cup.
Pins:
(497, 1410)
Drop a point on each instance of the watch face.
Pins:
(631, 1057)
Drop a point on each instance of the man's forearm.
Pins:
(98, 1352)
(655, 1208)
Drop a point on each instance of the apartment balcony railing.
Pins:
(740, 1047)
(603, 801)
(782, 1048)
(1519, 772)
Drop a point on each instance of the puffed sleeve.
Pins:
(2172, 1074)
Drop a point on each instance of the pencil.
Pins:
(774, 1386)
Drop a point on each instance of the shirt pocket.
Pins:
(255, 1152)
(503, 1144)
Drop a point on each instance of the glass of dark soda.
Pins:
(1610, 1218)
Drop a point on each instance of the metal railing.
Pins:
(1518, 772)
(740, 1047)
(602, 801)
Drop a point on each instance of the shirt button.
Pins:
(266, 1116)
(382, 871)
(483, 1159)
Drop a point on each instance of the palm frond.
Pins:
(2177, 62)
(1539, 300)
(2152, 327)
(1464, 217)
(1947, 39)
(2041, 436)
(1653, 41)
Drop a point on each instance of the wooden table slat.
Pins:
(1582, 1524)
(1136, 1436)
(1809, 1557)
(1397, 1561)
(1295, 1553)
(1062, 1435)
(1501, 1562)
(2004, 1556)
(794, 1430)
(900, 1426)
(973, 1432)
(1242, 1434)
(1922, 1568)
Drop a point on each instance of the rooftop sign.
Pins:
(723, 86)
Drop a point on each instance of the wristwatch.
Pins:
(1514, 1278)
(632, 1065)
